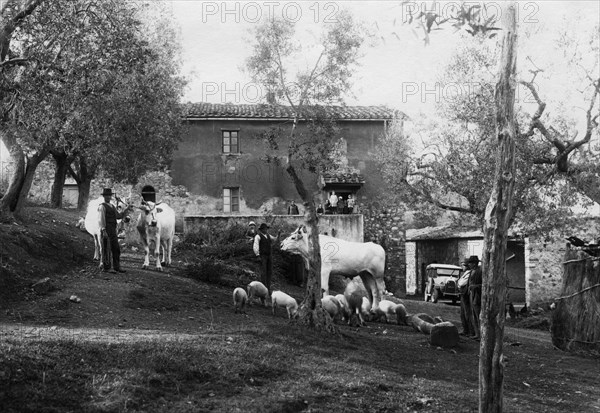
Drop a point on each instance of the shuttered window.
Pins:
(231, 199)
(231, 141)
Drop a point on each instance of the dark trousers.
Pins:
(466, 313)
(267, 270)
(298, 269)
(111, 248)
(475, 297)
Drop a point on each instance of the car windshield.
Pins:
(447, 272)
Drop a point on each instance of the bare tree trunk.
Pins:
(498, 215)
(83, 177)
(60, 173)
(9, 200)
(84, 193)
(311, 312)
(32, 164)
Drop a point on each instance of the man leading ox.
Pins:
(107, 222)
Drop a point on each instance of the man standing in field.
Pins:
(475, 281)
(263, 249)
(109, 241)
(293, 209)
(466, 314)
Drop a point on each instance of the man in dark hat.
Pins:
(466, 313)
(293, 208)
(263, 248)
(107, 221)
(475, 281)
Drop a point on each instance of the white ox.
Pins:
(91, 225)
(340, 257)
(156, 223)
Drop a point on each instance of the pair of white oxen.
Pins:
(340, 257)
(156, 223)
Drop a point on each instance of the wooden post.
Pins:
(498, 215)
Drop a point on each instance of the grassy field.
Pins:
(146, 341)
(269, 369)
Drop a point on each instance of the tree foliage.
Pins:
(100, 89)
(453, 168)
(474, 19)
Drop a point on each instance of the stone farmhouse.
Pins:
(220, 163)
(222, 158)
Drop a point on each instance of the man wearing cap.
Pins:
(251, 231)
(263, 248)
(107, 222)
(475, 281)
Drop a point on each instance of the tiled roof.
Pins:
(447, 232)
(264, 111)
(343, 178)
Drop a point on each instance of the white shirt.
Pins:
(256, 245)
(464, 278)
(333, 200)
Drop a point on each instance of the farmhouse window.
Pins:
(231, 142)
(231, 199)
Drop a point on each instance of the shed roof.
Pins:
(441, 233)
(203, 110)
(451, 232)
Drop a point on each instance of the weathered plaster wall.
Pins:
(515, 272)
(411, 268)
(463, 251)
(200, 165)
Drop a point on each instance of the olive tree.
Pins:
(324, 82)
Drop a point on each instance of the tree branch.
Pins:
(429, 198)
(17, 61)
(310, 78)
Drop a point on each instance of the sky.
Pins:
(398, 71)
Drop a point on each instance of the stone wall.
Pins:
(384, 225)
(544, 258)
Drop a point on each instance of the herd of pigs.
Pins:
(342, 306)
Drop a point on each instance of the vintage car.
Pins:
(442, 282)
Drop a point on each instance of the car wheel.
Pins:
(435, 296)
